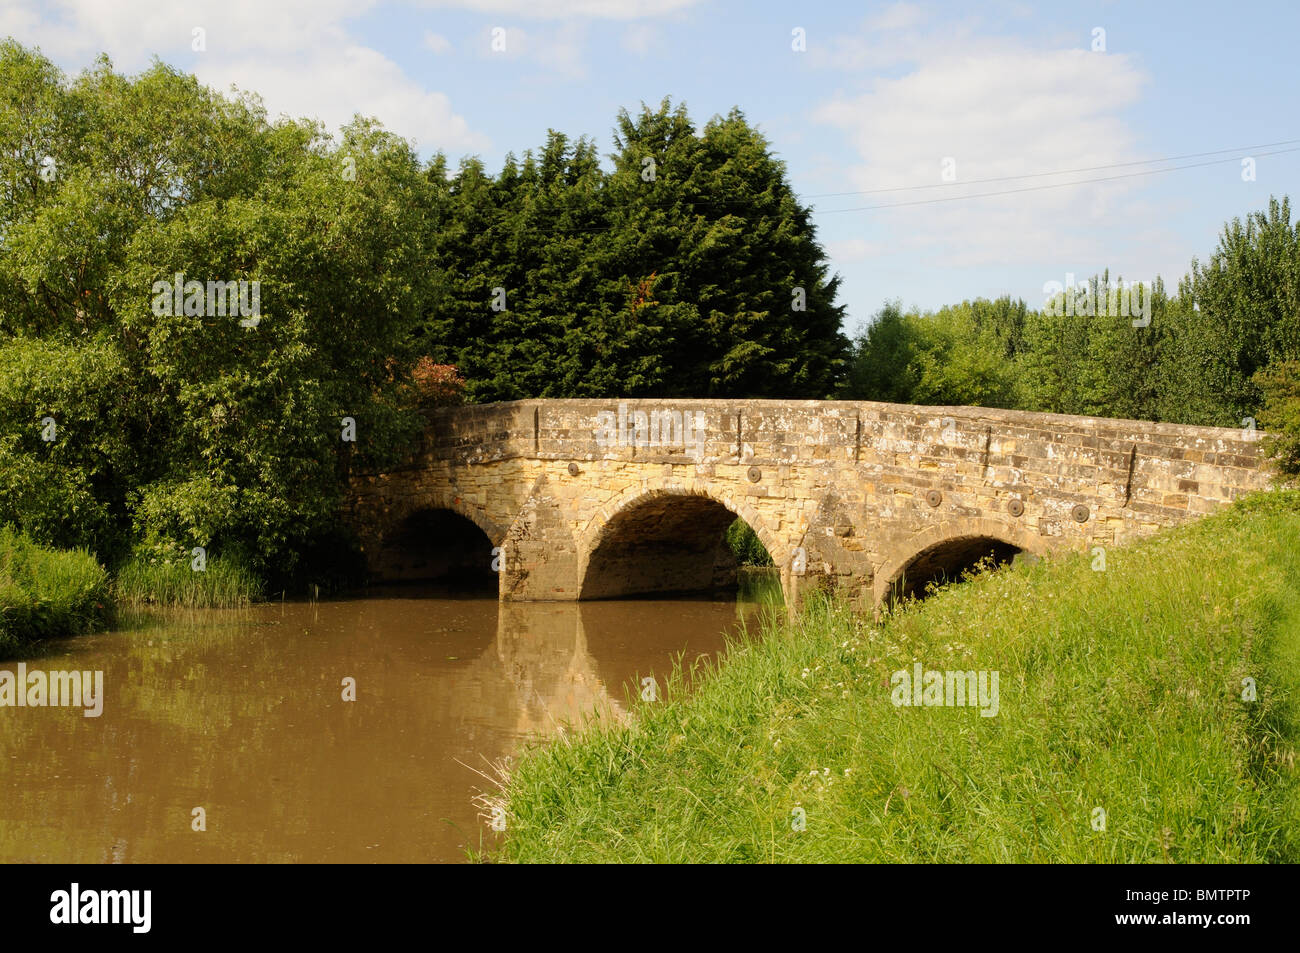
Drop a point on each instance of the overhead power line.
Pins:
(1242, 152)
(1050, 185)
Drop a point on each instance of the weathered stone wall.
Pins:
(841, 493)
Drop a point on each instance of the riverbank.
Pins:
(169, 578)
(1146, 712)
(46, 593)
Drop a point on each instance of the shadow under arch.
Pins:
(457, 505)
(435, 544)
(667, 539)
(941, 553)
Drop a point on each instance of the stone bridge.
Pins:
(588, 499)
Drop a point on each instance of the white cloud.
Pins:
(561, 51)
(296, 54)
(557, 51)
(131, 31)
(897, 16)
(436, 42)
(853, 249)
(998, 108)
(335, 84)
(564, 9)
(639, 39)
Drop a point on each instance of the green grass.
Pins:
(158, 578)
(47, 593)
(745, 544)
(1120, 689)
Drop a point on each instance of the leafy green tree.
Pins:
(1005, 319)
(1119, 370)
(945, 358)
(883, 363)
(1242, 315)
(961, 363)
(264, 410)
(67, 458)
(689, 270)
(745, 301)
(521, 277)
(190, 426)
(1280, 414)
(1101, 354)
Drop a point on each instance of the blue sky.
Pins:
(880, 97)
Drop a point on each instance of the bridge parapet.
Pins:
(840, 492)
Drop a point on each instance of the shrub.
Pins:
(47, 593)
(1280, 416)
(745, 544)
(438, 385)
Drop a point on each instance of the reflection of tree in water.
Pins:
(240, 712)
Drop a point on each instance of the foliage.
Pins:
(165, 575)
(1248, 301)
(438, 385)
(196, 426)
(1280, 415)
(384, 285)
(956, 356)
(745, 545)
(1098, 357)
(1222, 350)
(47, 593)
(368, 282)
(690, 270)
(66, 441)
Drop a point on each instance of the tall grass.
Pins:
(46, 593)
(149, 579)
(1122, 735)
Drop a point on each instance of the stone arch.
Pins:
(597, 528)
(392, 547)
(952, 531)
(455, 504)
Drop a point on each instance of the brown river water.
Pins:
(241, 713)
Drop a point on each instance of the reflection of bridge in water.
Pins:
(241, 711)
(541, 653)
(540, 674)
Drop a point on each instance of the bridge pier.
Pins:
(540, 556)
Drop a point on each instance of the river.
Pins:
(242, 713)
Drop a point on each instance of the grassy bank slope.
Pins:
(46, 593)
(1119, 689)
